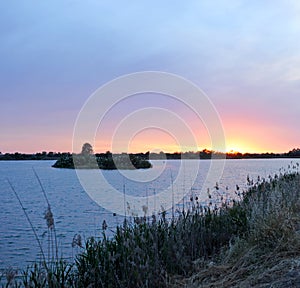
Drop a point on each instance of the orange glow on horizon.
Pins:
(156, 141)
(244, 136)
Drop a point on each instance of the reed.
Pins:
(51, 271)
(267, 254)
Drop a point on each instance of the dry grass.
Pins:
(269, 254)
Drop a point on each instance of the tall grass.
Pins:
(145, 254)
(153, 252)
(51, 271)
(268, 253)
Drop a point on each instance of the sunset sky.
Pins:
(245, 56)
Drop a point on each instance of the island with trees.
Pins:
(106, 161)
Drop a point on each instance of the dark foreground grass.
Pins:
(268, 254)
(201, 248)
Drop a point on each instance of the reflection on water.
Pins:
(75, 212)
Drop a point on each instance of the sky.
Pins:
(244, 55)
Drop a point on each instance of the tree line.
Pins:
(204, 154)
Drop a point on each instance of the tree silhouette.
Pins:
(87, 149)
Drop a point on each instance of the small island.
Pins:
(105, 161)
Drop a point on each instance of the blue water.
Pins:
(76, 213)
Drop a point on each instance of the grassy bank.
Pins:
(268, 254)
(252, 242)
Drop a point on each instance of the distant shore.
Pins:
(204, 154)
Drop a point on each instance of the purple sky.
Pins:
(245, 55)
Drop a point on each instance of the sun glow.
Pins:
(235, 147)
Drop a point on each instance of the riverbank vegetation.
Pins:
(253, 242)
